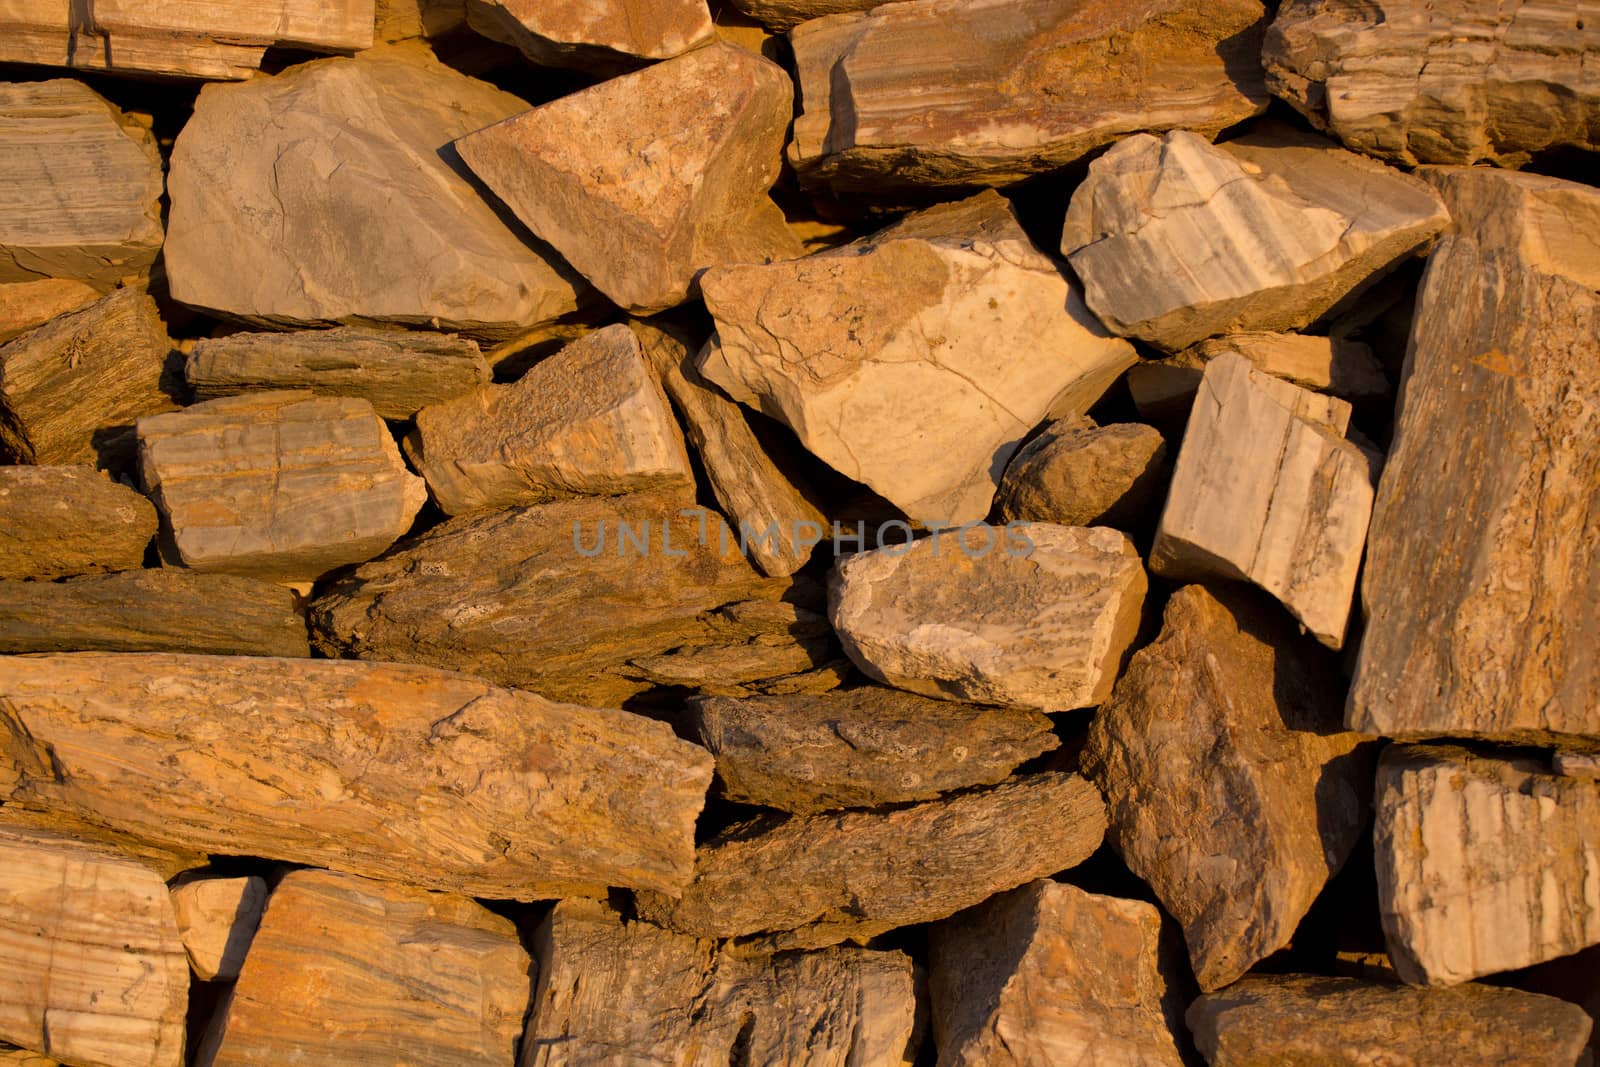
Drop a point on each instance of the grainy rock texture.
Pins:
(217, 917)
(950, 93)
(25, 306)
(79, 186)
(601, 37)
(1233, 792)
(59, 521)
(962, 337)
(1036, 616)
(385, 770)
(1075, 473)
(817, 880)
(645, 180)
(404, 20)
(347, 970)
(1485, 864)
(284, 194)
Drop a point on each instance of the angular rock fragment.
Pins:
(91, 967)
(25, 306)
(1267, 490)
(787, 14)
(71, 390)
(59, 521)
(1232, 791)
(1506, 340)
(1333, 365)
(403, 20)
(1051, 974)
(397, 372)
(283, 485)
(609, 989)
(80, 187)
(390, 771)
(1075, 473)
(1484, 864)
(157, 610)
(346, 970)
(217, 917)
(643, 181)
(1177, 240)
(591, 420)
(1461, 82)
(285, 193)
(945, 93)
(1036, 616)
(604, 37)
(861, 748)
(960, 337)
(814, 880)
(1267, 1020)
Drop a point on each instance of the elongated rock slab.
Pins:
(1233, 791)
(347, 970)
(948, 93)
(217, 917)
(818, 880)
(25, 306)
(1075, 473)
(92, 970)
(284, 194)
(602, 37)
(1333, 365)
(958, 327)
(787, 14)
(391, 771)
(1484, 864)
(1036, 616)
(59, 521)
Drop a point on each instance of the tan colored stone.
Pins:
(591, 420)
(1551, 225)
(280, 485)
(1035, 616)
(402, 20)
(391, 771)
(1177, 240)
(954, 93)
(346, 970)
(960, 337)
(91, 967)
(1075, 473)
(1051, 974)
(296, 200)
(1233, 792)
(25, 306)
(603, 37)
(217, 917)
(1484, 864)
(1267, 490)
(807, 881)
(59, 521)
(1333, 365)
(169, 863)
(787, 14)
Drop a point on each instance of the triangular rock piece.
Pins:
(598, 36)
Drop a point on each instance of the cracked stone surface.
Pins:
(601, 36)
(914, 360)
(56, 522)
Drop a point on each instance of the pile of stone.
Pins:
(799, 532)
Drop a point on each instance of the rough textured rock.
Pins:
(59, 521)
(404, 20)
(1461, 82)
(750, 487)
(610, 991)
(1232, 791)
(346, 970)
(814, 880)
(1036, 616)
(591, 420)
(217, 917)
(285, 194)
(1051, 974)
(1267, 490)
(643, 181)
(564, 598)
(599, 38)
(1484, 864)
(397, 372)
(1075, 473)
(385, 770)
(281, 485)
(951, 93)
(1177, 239)
(1506, 342)
(169, 863)
(787, 14)
(1276, 1019)
(79, 186)
(861, 748)
(962, 337)
(25, 306)
(71, 390)
(158, 610)
(1333, 365)
(91, 968)
(213, 39)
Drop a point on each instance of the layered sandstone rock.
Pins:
(59, 521)
(217, 918)
(602, 37)
(1075, 473)
(25, 306)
